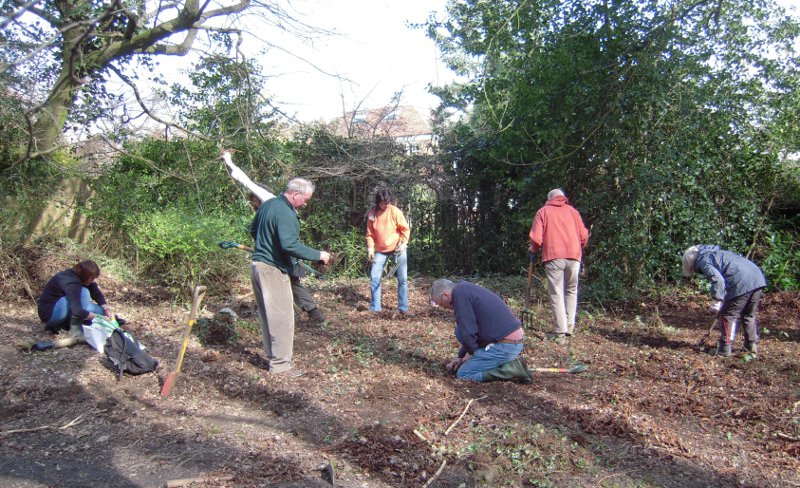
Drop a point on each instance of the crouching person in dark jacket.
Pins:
(71, 298)
(490, 335)
(737, 286)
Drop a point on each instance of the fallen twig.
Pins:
(437, 473)
(787, 437)
(462, 414)
(210, 477)
(72, 423)
(419, 434)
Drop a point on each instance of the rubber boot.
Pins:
(76, 327)
(724, 350)
(511, 370)
(316, 317)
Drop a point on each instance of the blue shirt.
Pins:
(482, 317)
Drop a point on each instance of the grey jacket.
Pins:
(730, 275)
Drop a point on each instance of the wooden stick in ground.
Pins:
(462, 414)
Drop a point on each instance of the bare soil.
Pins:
(377, 409)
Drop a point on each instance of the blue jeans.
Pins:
(61, 311)
(376, 273)
(487, 358)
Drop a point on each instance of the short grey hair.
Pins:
(300, 185)
(689, 263)
(558, 192)
(440, 287)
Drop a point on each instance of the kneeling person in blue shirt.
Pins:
(490, 335)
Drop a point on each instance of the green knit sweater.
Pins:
(276, 233)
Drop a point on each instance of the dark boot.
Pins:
(316, 317)
(76, 327)
(723, 350)
(752, 347)
(509, 371)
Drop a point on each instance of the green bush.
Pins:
(354, 248)
(782, 263)
(179, 249)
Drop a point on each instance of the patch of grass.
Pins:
(252, 327)
(364, 353)
(528, 455)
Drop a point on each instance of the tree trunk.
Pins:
(53, 115)
(50, 123)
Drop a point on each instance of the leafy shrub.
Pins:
(180, 250)
(782, 263)
(354, 248)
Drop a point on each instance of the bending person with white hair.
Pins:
(559, 232)
(490, 334)
(737, 286)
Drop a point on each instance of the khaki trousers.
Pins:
(273, 292)
(562, 286)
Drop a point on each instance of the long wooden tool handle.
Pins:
(197, 297)
(530, 281)
(548, 370)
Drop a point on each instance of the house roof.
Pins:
(393, 121)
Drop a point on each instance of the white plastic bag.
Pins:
(98, 331)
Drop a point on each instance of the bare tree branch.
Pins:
(147, 111)
(22, 9)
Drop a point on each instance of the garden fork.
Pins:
(525, 315)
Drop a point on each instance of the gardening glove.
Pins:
(325, 257)
(715, 306)
(401, 248)
(371, 255)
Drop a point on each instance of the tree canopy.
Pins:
(667, 124)
(66, 50)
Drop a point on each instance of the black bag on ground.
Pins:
(127, 355)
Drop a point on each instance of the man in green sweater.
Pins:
(276, 235)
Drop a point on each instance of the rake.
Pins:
(702, 341)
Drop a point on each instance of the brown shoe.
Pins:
(406, 313)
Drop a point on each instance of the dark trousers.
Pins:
(740, 312)
(302, 297)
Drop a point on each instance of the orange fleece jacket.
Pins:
(559, 231)
(387, 229)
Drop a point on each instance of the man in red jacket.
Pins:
(559, 232)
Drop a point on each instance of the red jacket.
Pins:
(558, 231)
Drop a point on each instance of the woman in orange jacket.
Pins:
(387, 234)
